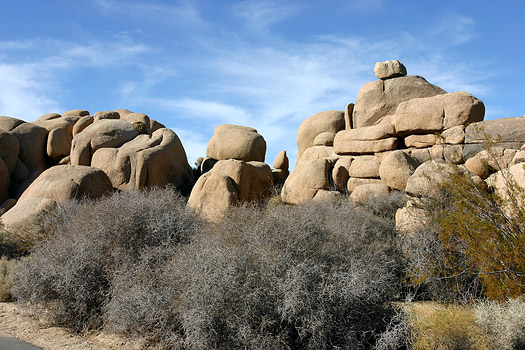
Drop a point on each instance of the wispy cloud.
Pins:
(261, 14)
(180, 13)
(454, 29)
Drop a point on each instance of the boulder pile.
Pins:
(75, 155)
(400, 130)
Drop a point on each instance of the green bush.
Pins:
(473, 241)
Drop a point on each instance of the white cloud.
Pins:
(182, 13)
(261, 14)
(454, 29)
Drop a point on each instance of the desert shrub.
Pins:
(384, 206)
(503, 322)
(6, 269)
(444, 327)
(71, 273)
(473, 241)
(315, 276)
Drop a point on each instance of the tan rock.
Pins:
(254, 180)
(123, 111)
(327, 196)
(75, 112)
(106, 133)
(454, 135)
(9, 123)
(437, 113)
(453, 154)
(381, 97)
(504, 183)
(349, 110)
(428, 177)
(324, 139)
(9, 149)
(344, 161)
(340, 177)
(213, 194)
(354, 182)
(477, 167)
(364, 167)
(281, 161)
(82, 123)
(33, 175)
(496, 158)
(49, 116)
(421, 141)
(138, 117)
(420, 155)
(56, 185)
(329, 121)
(350, 147)
(155, 125)
(58, 144)
(66, 123)
(305, 180)
(236, 142)
(411, 219)
(367, 133)
(396, 169)
(368, 191)
(519, 157)
(207, 164)
(146, 161)
(33, 145)
(105, 115)
(389, 69)
(317, 152)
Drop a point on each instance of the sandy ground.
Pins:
(15, 321)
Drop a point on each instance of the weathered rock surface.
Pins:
(396, 168)
(147, 161)
(33, 145)
(9, 148)
(427, 178)
(58, 144)
(504, 130)
(55, 185)
(305, 180)
(354, 182)
(381, 97)
(364, 167)
(389, 69)
(213, 194)
(317, 152)
(281, 161)
(236, 142)
(75, 112)
(329, 121)
(367, 191)
(437, 113)
(9, 123)
(324, 139)
(421, 141)
(355, 147)
(106, 133)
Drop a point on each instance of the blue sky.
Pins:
(193, 65)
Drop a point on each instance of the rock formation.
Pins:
(60, 157)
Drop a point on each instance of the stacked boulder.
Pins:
(233, 172)
(75, 155)
(397, 123)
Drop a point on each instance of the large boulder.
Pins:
(364, 167)
(147, 161)
(33, 145)
(389, 69)
(306, 180)
(9, 148)
(437, 113)
(396, 168)
(4, 181)
(9, 123)
(236, 142)
(104, 133)
(213, 195)
(317, 152)
(56, 185)
(428, 177)
(328, 121)
(58, 144)
(368, 191)
(381, 97)
(509, 132)
(344, 146)
(228, 183)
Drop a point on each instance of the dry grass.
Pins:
(6, 269)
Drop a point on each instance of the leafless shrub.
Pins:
(70, 274)
(503, 322)
(6, 269)
(315, 276)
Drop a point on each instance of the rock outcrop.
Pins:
(236, 142)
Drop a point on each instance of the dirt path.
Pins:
(15, 321)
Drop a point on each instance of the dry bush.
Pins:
(503, 322)
(316, 276)
(70, 273)
(444, 327)
(6, 269)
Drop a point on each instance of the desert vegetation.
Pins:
(321, 275)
